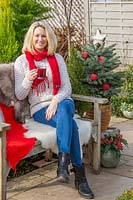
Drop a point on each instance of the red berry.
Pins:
(106, 86)
(93, 77)
(100, 58)
(85, 55)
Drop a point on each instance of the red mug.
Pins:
(41, 73)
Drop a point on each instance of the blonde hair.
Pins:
(51, 37)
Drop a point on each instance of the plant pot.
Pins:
(106, 112)
(128, 114)
(110, 159)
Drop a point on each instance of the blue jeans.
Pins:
(66, 129)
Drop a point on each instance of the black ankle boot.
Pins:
(62, 171)
(81, 183)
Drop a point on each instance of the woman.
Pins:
(41, 74)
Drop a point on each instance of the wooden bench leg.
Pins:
(96, 159)
(3, 167)
(3, 162)
(48, 155)
(97, 144)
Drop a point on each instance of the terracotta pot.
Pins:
(106, 112)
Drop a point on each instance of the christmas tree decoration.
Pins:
(93, 77)
(106, 86)
(98, 38)
(99, 70)
(100, 58)
(85, 55)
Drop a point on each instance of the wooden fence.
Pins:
(115, 19)
(59, 16)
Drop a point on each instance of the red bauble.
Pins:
(100, 58)
(106, 86)
(93, 77)
(85, 55)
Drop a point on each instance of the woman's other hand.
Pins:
(32, 75)
(51, 110)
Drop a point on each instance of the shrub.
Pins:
(8, 44)
(116, 102)
(126, 195)
(75, 68)
(124, 101)
(128, 81)
(24, 13)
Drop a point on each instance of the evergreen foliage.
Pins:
(74, 66)
(8, 44)
(99, 74)
(128, 82)
(127, 90)
(24, 13)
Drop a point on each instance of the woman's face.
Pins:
(40, 41)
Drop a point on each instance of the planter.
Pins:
(110, 159)
(106, 112)
(128, 114)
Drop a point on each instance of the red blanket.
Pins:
(17, 145)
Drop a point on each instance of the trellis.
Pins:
(58, 17)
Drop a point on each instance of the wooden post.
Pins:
(97, 144)
(3, 128)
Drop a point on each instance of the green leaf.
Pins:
(107, 147)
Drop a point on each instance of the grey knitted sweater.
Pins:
(23, 85)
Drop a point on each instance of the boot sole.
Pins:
(86, 197)
(63, 179)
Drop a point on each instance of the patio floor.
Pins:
(41, 184)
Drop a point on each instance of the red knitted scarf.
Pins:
(39, 84)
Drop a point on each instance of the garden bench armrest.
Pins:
(4, 127)
(89, 99)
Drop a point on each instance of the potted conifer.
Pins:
(99, 75)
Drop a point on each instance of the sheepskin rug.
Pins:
(47, 134)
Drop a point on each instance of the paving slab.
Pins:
(105, 186)
(24, 183)
(117, 120)
(124, 170)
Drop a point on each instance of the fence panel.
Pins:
(115, 19)
(58, 19)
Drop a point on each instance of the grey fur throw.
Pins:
(7, 93)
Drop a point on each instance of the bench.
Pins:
(96, 139)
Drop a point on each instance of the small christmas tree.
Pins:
(99, 64)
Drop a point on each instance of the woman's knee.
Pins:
(66, 106)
